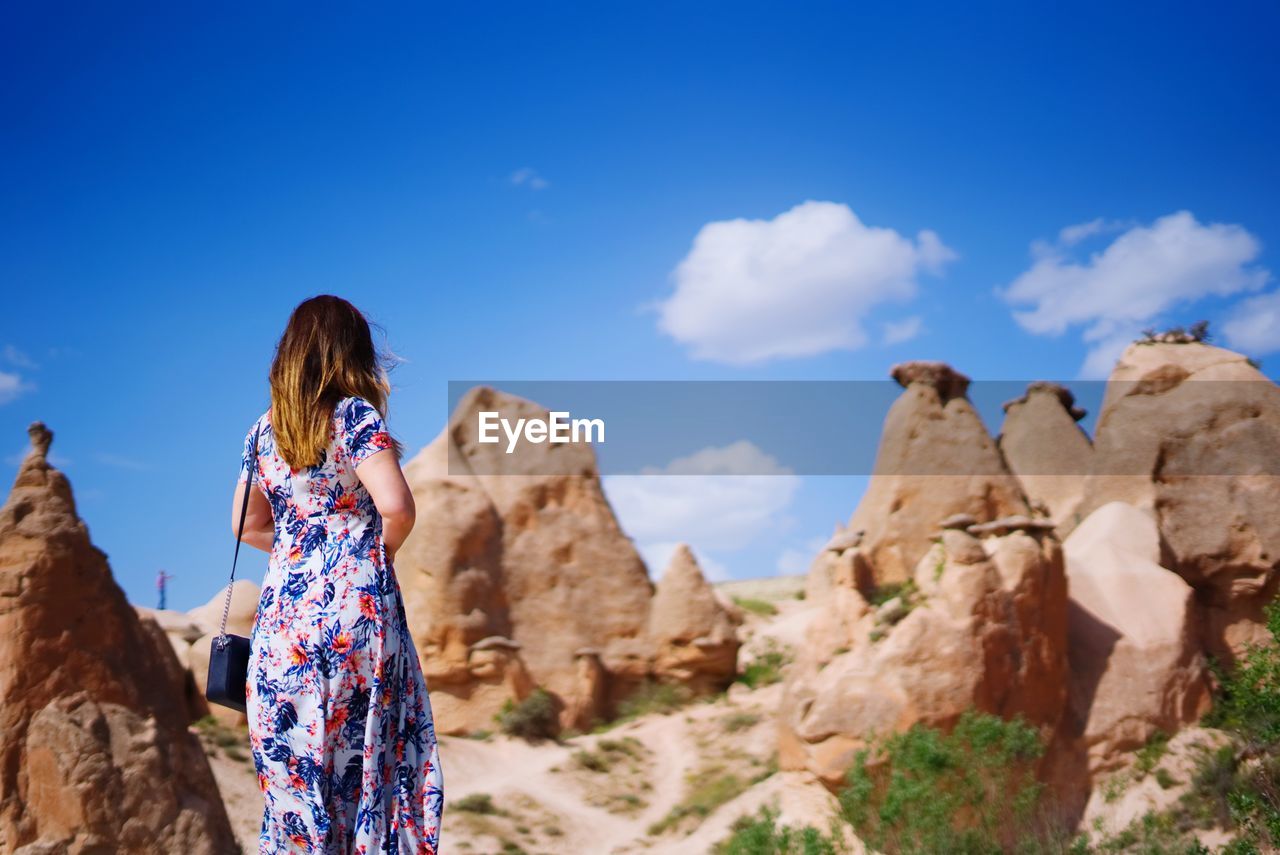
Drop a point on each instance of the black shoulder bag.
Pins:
(229, 654)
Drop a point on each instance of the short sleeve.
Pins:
(248, 452)
(364, 432)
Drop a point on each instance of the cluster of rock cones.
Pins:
(1085, 595)
(1082, 585)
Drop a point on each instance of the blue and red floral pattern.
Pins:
(340, 722)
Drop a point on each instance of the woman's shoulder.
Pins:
(253, 437)
(261, 423)
(353, 405)
(355, 414)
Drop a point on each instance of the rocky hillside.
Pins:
(1082, 587)
(524, 580)
(1011, 643)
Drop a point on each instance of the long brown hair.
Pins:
(326, 354)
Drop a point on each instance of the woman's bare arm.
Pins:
(259, 528)
(380, 473)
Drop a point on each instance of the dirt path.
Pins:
(540, 798)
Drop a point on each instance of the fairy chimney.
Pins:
(93, 730)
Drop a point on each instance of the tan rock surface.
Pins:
(450, 570)
(695, 639)
(527, 547)
(987, 628)
(1046, 449)
(176, 671)
(935, 459)
(97, 755)
(244, 609)
(1136, 666)
(179, 629)
(1191, 433)
(570, 574)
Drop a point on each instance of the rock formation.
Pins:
(1136, 666)
(935, 459)
(177, 671)
(525, 548)
(1174, 549)
(982, 623)
(1046, 449)
(93, 730)
(179, 628)
(1191, 434)
(240, 617)
(840, 558)
(694, 636)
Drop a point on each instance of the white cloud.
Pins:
(736, 458)
(528, 177)
(119, 461)
(1253, 325)
(1105, 349)
(12, 386)
(1072, 235)
(703, 500)
(798, 285)
(1143, 273)
(897, 332)
(16, 357)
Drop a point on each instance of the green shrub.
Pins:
(1152, 834)
(756, 606)
(765, 668)
(972, 790)
(760, 834)
(592, 760)
(739, 721)
(652, 696)
(1211, 783)
(476, 803)
(533, 718)
(1235, 786)
(1245, 784)
(707, 789)
(628, 745)
(1249, 700)
(607, 751)
(1148, 757)
(886, 592)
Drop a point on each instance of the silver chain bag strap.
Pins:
(229, 654)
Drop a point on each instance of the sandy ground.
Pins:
(228, 751)
(664, 783)
(668, 783)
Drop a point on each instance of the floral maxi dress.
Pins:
(340, 722)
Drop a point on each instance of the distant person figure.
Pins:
(162, 579)
(340, 723)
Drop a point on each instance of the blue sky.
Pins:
(511, 190)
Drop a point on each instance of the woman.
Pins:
(340, 723)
